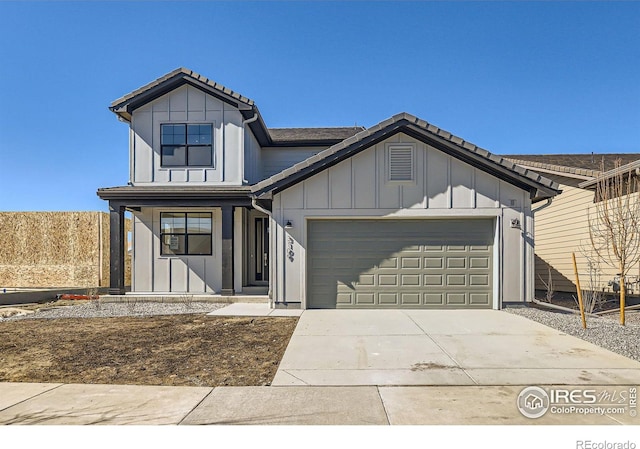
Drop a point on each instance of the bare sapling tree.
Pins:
(548, 286)
(593, 296)
(614, 224)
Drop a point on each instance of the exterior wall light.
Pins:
(288, 225)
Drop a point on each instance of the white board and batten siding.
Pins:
(442, 187)
(154, 273)
(187, 105)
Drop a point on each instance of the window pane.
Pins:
(172, 244)
(199, 223)
(199, 134)
(199, 244)
(173, 134)
(200, 156)
(174, 156)
(172, 222)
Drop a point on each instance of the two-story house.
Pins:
(402, 214)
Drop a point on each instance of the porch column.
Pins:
(116, 248)
(227, 250)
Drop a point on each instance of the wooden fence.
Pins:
(55, 249)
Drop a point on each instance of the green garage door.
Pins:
(399, 263)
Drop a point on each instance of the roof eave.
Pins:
(633, 167)
(125, 105)
(421, 130)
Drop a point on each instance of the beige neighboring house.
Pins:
(562, 227)
(55, 249)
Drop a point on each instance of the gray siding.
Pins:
(274, 160)
(187, 105)
(155, 273)
(444, 187)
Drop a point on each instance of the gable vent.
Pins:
(401, 164)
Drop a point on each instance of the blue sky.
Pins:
(512, 77)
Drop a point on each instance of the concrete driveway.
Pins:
(442, 347)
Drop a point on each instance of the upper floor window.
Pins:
(185, 145)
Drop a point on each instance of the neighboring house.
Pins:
(563, 227)
(402, 214)
(54, 249)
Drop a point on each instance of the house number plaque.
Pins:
(290, 252)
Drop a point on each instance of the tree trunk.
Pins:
(623, 293)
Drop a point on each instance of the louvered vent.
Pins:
(401, 164)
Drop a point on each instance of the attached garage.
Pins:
(402, 215)
(399, 263)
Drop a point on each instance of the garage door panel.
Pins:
(367, 299)
(386, 280)
(456, 280)
(481, 280)
(479, 299)
(388, 299)
(399, 263)
(456, 262)
(433, 299)
(410, 299)
(391, 262)
(456, 299)
(433, 262)
(410, 262)
(431, 280)
(479, 262)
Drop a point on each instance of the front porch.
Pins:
(227, 256)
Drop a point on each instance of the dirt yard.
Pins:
(196, 350)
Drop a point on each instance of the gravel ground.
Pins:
(604, 331)
(96, 309)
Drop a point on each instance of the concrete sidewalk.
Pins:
(73, 404)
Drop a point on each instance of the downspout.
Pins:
(255, 205)
(273, 255)
(246, 122)
(547, 204)
(533, 269)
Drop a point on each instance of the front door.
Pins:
(258, 246)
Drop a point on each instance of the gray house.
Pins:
(402, 214)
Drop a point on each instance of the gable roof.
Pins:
(632, 169)
(125, 105)
(588, 165)
(539, 187)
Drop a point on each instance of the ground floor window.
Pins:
(185, 233)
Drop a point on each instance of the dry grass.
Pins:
(160, 350)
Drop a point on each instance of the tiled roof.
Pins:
(633, 167)
(279, 135)
(578, 164)
(405, 122)
(181, 72)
